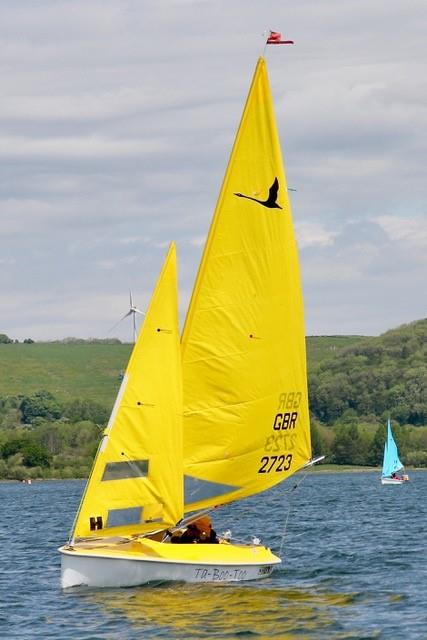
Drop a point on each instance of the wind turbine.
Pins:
(133, 310)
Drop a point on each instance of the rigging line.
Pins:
(282, 542)
(291, 491)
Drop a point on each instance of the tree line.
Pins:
(362, 444)
(40, 438)
(43, 438)
(5, 339)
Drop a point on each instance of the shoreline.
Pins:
(341, 468)
(326, 468)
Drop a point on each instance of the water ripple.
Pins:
(354, 568)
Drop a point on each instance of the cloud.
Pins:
(411, 232)
(367, 278)
(117, 121)
(313, 234)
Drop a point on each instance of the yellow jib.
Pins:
(136, 482)
(246, 421)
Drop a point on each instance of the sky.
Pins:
(116, 123)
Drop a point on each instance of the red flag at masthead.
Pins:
(276, 38)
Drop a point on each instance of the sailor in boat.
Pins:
(200, 531)
(207, 534)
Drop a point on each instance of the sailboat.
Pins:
(218, 416)
(391, 462)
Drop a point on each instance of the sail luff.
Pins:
(246, 424)
(384, 472)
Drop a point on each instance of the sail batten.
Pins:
(246, 417)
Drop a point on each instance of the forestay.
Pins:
(136, 481)
(246, 421)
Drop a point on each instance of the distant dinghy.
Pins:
(391, 463)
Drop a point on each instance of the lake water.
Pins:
(355, 566)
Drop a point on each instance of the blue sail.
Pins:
(391, 462)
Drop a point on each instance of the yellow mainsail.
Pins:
(136, 481)
(246, 420)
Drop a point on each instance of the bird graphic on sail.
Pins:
(271, 202)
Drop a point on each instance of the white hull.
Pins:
(394, 480)
(104, 571)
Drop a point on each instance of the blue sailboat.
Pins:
(391, 463)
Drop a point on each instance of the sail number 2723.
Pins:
(275, 463)
(283, 425)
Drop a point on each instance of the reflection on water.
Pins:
(223, 611)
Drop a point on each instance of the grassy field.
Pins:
(68, 371)
(321, 347)
(92, 371)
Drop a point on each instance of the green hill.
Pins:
(321, 347)
(92, 371)
(381, 376)
(55, 399)
(68, 371)
(366, 375)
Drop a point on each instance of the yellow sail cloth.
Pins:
(246, 420)
(136, 481)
